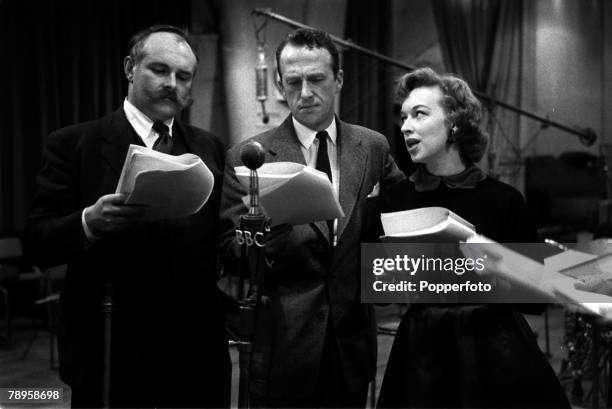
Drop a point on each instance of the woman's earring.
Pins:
(451, 137)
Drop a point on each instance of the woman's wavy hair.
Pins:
(463, 111)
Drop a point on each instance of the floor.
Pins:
(33, 369)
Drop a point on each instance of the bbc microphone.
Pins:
(251, 236)
(253, 156)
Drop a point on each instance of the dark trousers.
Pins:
(164, 382)
(202, 395)
(331, 390)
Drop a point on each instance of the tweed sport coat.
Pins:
(309, 283)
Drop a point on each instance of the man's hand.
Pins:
(111, 215)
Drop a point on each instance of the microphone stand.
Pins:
(251, 236)
(107, 309)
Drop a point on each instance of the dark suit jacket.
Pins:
(168, 322)
(309, 284)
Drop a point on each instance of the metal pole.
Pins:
(251, 236)
(107, 309)
(587, 136)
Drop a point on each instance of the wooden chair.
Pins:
(54, 277)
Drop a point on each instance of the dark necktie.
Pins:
(323, 166)
(322, 158)
(164, 140)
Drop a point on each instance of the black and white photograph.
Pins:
(306, 204)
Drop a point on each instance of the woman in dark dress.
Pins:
(452, 355)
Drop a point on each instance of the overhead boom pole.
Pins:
(587, 136)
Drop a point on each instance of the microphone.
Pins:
(253, 264)
(253, 156)
(261, 82)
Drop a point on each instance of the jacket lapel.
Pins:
(189, 138)
(284, 144)
(352, 163)
(118, 139)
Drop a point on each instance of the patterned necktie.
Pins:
(164, 140)
(324, 166)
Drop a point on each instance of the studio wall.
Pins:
(239, 54)
(567, 67)
(569, 86)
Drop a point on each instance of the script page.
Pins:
(428, 224)
(140, 158)
(293, 193)
(169, 186)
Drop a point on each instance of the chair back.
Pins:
(10, 249)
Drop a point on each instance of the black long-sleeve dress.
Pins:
(468, 356)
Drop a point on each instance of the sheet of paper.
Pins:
(567, 259)
(595, 267)
(543, 278)
(526, 275)
(420, 221)
(140, 158)
(169, 186)
(448, 231)
(293, 193)
(270, 175)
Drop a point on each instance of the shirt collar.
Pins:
(141, 123)
(306, 135)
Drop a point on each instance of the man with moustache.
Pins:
(321, 345)
(168, 343)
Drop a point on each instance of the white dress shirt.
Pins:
(309, 145)
(143, 126)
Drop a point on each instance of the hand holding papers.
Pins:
(170, 186)
(555, 280)
(293, 193)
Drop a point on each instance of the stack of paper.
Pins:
(555, 280)
(292, 193)
(425, 225)
(169, 186)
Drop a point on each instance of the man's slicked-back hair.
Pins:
(309, 38)
(138, 40)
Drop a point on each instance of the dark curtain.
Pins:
(482, 41)
(367, 95)
(62, 64)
